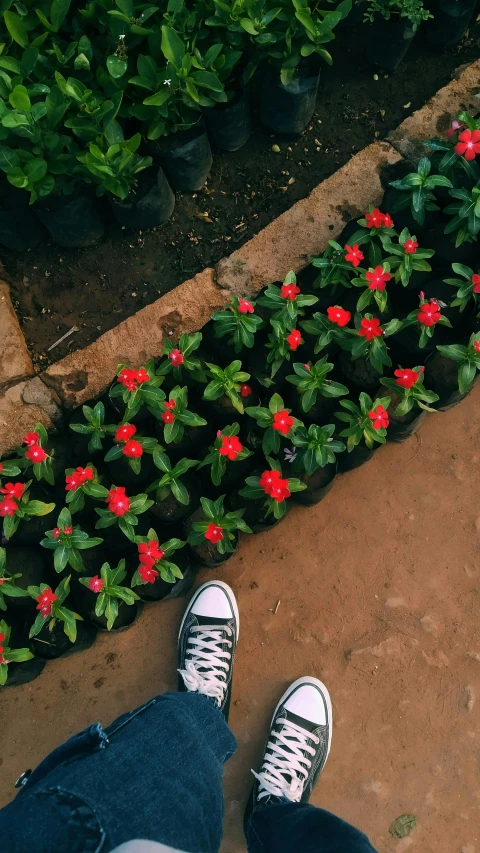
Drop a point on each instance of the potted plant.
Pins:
(108, 603)
(9, 657)
(178, 426)
(227, 448)
(212, 533)
(287, 301)
(395, 24)
(67, 542)
(270, 492)
(452, 371)
(176, 491)
(181, 367)
(367, 424)
(268, 364)
(80, 482)
(127, 460)
(274, 421)
(365, 352)
(34, 455)
(224, 390)
(16, 506)
(326, 329)
(157, 576)
(239, 322)
(91, 425)
(8, 582)
(408, 396)
(416, 191)
(311, 383)
(449, 22)
(314, 458)
(122, 511)
(335, 265)
(19, 569)
(137, 389)
(55, 630)
(418, 329)
(468, 287)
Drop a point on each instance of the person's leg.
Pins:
(155, 773)
(278, 818)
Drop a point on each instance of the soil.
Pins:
(96, 288)
(377, 593)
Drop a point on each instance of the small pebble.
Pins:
(276, 149)
(375, 76)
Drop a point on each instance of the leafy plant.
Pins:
(18, 507)
(9, 468)
(226, 383)
(239, 322)
(80, 482)
(367, 340)
(94, 427)
(413, 10)
(409, 391)
(406, 257)
(226, 447)
(219, 528)
(110, 591)
(131, 448)
(426, 319)
(286, 301)
(180, 362)
(316, 447)
(67, 542)
(465, 212)
(468, 286)
(123, 511)
(8, 655)
(158, 564)
(282, 341)
(114, 168)
(171, 480)
(273, 488)
(276, 420)
(8, 582)
(176, 416)
(364, 421)
(418, 188)
(52, 609)
(335, 271)
(137, 388)
(325, 330)
(468, 359)
(35, 456)
(311, 380)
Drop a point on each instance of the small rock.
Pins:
(276, 149)
(469, 697)
(473, 656)
(375, 76)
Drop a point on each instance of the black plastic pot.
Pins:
(186, 158)
(168, 509)
(193, 438)
(206, 552)
(358, 373)
(260, 370)
(32, 530)
(441, 376)
(236, 473)
(55, 643)
(23, 673)
(19, 230)
(357, 457)
(151, 205)
(31, 563)
(402, 428)
(451, 19)
(120, 472)
(229, 125)
(320, 413)
(389, 41)
(318, 485)
(288, 107)
(445, 251)
(160, 590)
(127, 613)
(73, 221)
(78, 442)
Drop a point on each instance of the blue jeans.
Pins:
(155, 773)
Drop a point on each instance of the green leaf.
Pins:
(173, 48)
(248, 26)
(35, 170)
(19, 99)
(58, 12)
(16, 27)
(402, 826)
(116, 66)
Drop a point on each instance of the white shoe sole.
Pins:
(326, 695)
(231, 596)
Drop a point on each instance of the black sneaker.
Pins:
(206, 644)
(298, 746)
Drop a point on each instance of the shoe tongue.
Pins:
(300, 721)
(210, 620)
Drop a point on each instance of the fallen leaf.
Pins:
(203, 216)
(403, 826)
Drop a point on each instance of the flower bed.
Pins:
(266, 405)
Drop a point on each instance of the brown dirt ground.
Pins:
(379, 592)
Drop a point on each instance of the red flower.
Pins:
(150, 553)
(231, 447)
(68, 530)
(1, 467)
(45, 602)
(289, 291)
(125, 432)
(280, 490)
(387, 221)
(294, 339)
(133, 449)
(142, 376)
(36, 454)
(429, 313)
(307, 367)
(406, 377)
(370, 329)
(468, 144)
(476, 345)
(378, 278)
(117, 501)
(476, 283)
(379, 418)
(2, 637)
(147, 573)
(170, 404)
(176, 357)
(282, 422)
(214, 533)
(56, 532)
(338, 315)
(168, 417)
(31, 438)
(128, 377)
(354, 254)
(13, 490)
(268, 480)
(456, 125)
(245, 390)
(410, 246)
(245, 307)
(85, 474)
(375, 219)
(73, 482)
(96, 584)
(8, 507)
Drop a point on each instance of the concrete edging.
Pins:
(285, 244)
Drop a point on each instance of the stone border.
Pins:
(286, 243)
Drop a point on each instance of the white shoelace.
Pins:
(207, 663)
(280, 763)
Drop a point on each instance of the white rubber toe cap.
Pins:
(309, 698)
(214, 599)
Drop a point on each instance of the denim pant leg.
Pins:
(155, 773)
(286, 827)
